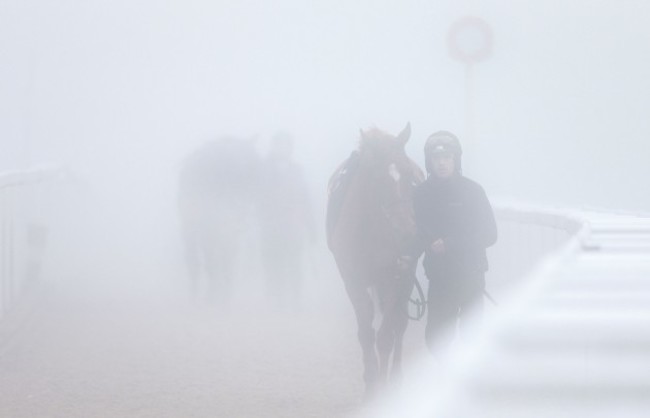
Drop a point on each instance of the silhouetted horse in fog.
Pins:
(217, 188)
(370, 222)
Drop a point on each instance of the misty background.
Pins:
(119, 91)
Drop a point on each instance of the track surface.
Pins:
(87, 350)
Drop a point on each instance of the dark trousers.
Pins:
(450, 297)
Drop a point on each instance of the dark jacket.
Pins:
(458, 211)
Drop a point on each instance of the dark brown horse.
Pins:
(370, 223)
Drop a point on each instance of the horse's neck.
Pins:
(361, 212)
(359, 198)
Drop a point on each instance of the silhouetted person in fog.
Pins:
(217, 188)
(455, 225)
(286, 223)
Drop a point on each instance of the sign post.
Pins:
(470, 41)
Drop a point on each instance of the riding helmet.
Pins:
(442, 142)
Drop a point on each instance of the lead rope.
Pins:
(420, 302)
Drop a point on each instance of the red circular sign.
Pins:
(470, 40)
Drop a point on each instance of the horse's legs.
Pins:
(219, 266)
(282, 268)
(364, 310)
(295, 279)
(386, 333)
(400, 323)
(385, 344)
(192, 259)
(394, 305)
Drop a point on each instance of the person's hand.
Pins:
(404, 262)
(438, 246)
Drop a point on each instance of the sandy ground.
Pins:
(111, 333)
(92, 351)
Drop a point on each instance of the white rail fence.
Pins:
(572, 338)
(23, 231)
(526, 235)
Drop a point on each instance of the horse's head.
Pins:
(389, 175)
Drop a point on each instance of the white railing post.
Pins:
(23, 236)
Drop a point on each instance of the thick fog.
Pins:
(118, 93)
(120, 90)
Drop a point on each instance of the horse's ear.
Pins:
(362, 134)
(404, 136)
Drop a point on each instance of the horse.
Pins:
(217, 189)
(370, 223)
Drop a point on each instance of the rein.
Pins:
(419, 301)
